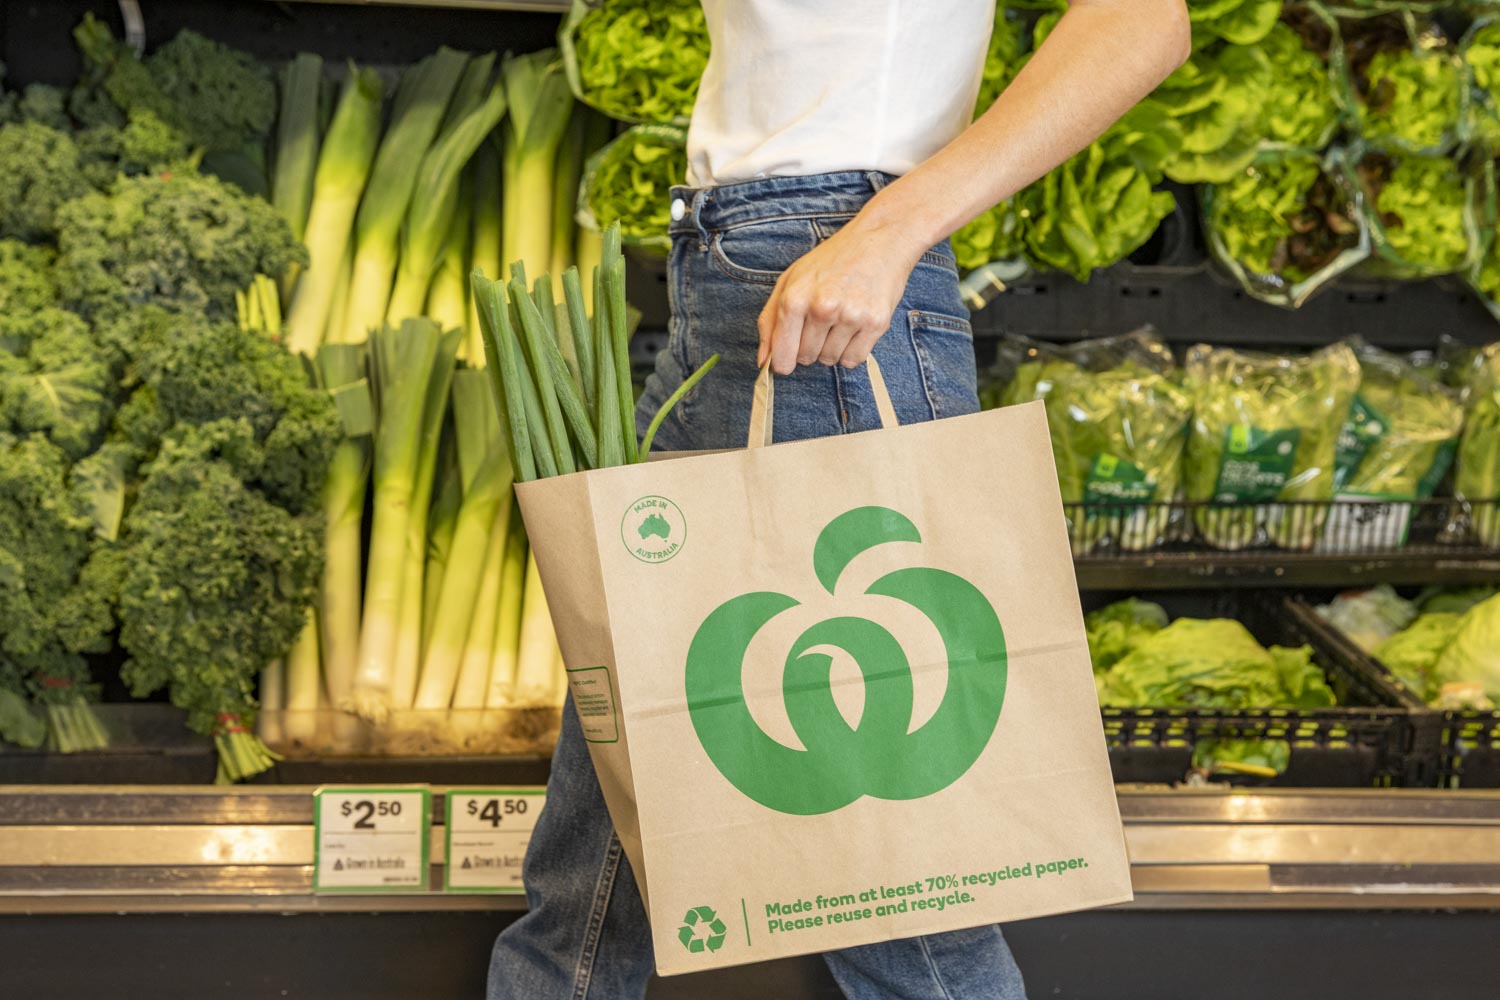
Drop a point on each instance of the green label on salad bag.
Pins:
(1363, 428)
(1115, 480)
(1256, 464)
(1442, 461)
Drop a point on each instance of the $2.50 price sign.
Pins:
(487, 832)
(371, 839)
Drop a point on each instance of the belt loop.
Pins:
(878, 181)
(700, 199)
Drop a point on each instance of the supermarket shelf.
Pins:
(179, 850)
(1178, 570)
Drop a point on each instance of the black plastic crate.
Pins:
(1363, 742)
(1452, 749)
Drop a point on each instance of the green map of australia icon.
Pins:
(839, 763)
(655, 525)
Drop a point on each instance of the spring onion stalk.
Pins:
(504, 371)
(429, 215)
(448, 299)
(409, 639)
(485, 471)
(614, 288)
(297, 138)
(341, 369)
(343, 168)
(566, 177)
(590, 255)
(580, 333)
(423, 99)
(611, 434)
(540, 100)
(486, 248)
(442, 521)
(406, 360)
(555, 384)
(537, 654)
(682, 390)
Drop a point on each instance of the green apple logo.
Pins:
(878, 757)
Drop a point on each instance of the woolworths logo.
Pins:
(838, 763)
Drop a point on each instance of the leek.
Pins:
(341, 371)
(441, 523)
(448, 300)
(566, 177)
(428, 218)
(297, 137)
(421, 102)
(486, 248)
(343, 168)
(486, 476)
(479, 649)
(506, 646)
(408, 361)
(540, 100)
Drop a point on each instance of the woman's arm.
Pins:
(1101, 58)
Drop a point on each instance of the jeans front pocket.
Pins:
(944, 348)
(760, 251)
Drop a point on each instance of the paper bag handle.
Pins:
(764, 403)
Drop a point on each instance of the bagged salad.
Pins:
(630, 182)
(1263, 442)
(636, 60)
(1117, 420)
(1286, 226)
(1477, 478)
(1397, 444)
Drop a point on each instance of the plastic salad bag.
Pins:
(1265, 431)
(630, 181)
(1403, 79)
(1117, 420)
(1286, 226)
(1397, 444)
(636, 60)
(1477, 477)
(1481, 62)
(1418, 210)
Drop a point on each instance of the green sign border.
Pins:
(448, 797)
(424, 790)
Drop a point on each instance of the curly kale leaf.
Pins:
(60, 383)
(42, 170)
(26, 281)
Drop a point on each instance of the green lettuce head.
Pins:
(638, 60)
(1419, 212)
(1265, 430)
(1410, 98)
(1472, 659)
(629, 181)
(1412, 654)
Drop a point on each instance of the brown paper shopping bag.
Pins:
(837, 691)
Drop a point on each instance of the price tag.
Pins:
(371, 839)
(487, 833)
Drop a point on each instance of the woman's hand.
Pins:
(834, 304)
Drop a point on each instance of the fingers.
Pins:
(860, 346)
(786, 317)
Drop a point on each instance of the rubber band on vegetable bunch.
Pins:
(1286, 226)
(629, 183)
(1117, 420)
(1417, 208)
(1403, 81)
(1264, 442)
(636, 60)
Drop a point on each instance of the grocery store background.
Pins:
(1354, 852)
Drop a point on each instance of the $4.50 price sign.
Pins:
(371, 839)
(487, 832)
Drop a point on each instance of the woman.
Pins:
(830, 158)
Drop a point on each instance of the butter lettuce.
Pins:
(637, 60)
(629, 181)
(1418, 216)
(1472, 659)
(1115, 630)
(1413, 653)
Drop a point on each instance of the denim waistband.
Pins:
(724, 207)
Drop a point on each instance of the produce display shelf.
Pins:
(1177, 570)
(186, 850)
(550, 6)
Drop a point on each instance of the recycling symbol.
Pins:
(701, 929)
(881, 755)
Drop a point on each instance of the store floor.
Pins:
(1243, 955)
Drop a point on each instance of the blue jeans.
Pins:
(585, 936)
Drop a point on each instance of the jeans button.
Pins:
(679, 209)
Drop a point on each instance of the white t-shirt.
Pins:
(796, 87)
